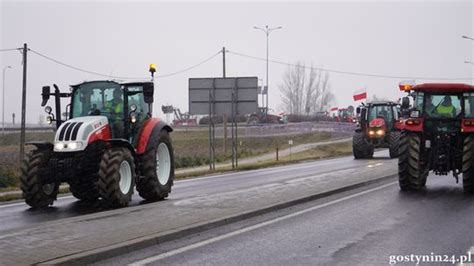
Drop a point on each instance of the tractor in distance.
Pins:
(438, 134)
(378, 127)
(109, 144)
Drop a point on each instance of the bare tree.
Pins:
(305, 93)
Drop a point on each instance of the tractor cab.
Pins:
(120, 107)
(106, 98)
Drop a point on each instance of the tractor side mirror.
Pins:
(405, 103)
(358, 110)
(148, 90)
(45, 94)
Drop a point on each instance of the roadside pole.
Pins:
(23, 104)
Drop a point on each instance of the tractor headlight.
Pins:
(133, 118)
(67, 146)
(380, 132)
(49, 119)
(371, 132)
(415, 113)
(48, 109)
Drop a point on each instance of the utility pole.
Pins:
(23, 105)
(225, 116)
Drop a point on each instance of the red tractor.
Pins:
(378, 127)
(102, 151)
(438, 134)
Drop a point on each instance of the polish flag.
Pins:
(360, 95)
(334, 109)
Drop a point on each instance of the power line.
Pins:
(189, 68)
(11, 49)
(346, 72)
(79, 69)
(116, 77)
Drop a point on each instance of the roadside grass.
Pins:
(191, 149)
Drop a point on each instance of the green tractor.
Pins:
(378, 127)
(438, 134)
(109, 144)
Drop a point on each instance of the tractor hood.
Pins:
(377, 122)
(73, 135)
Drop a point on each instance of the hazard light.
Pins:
(152, 68)
(406, 85)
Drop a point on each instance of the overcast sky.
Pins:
(415, 39)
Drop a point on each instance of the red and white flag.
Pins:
(334, 109)
(360, 95)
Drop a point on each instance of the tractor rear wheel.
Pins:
(36, 192)
(360, 147)
(412, 173)
(158, 168)
(393, 143)
(116, 177)
(468, 164)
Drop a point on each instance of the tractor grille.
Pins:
(69, 131)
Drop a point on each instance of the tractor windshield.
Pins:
(442, 106)
(381, 111)
(97, 98)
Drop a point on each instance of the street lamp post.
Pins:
(3, 99)
(267, 31)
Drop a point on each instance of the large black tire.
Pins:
(84, 186)
(360, 147)
(116, 177)
(150, 187)
(412, 173)
(468, 164)
(34, 169)
(393, 143)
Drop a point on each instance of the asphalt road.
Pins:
(368, 226)
(19, 215)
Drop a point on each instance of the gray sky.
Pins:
(420, 39)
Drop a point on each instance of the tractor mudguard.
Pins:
(41, 145)
(151, 127)
(121, 143)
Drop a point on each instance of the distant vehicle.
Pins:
(183, 119)
(109, 143)
(378, 127)
(262, 118)
(346, 115)
(438, 134)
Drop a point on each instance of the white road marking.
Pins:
(251, 228)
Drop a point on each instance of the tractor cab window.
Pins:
(469, 105)
(442, 106)
(381, 111)
(96, 98)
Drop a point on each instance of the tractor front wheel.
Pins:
(468, 164)
(37, 192)
(116, 177)
(360, 147)
(158, 168)
(412, 172)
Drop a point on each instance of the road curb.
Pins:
(110, 251)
